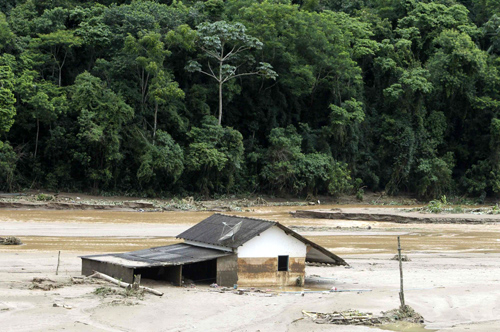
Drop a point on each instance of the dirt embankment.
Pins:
(22, 204)
(78, 201)
(398, 216)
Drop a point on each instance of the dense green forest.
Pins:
(243, 96)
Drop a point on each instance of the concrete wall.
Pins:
(273, 242)
(116, 271)
(263, 271)
(227, 271)
(258, 260)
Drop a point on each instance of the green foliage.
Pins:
(162, 162)
(287, 169)
(435, 176)
(7, 99)
(6, 35)
(101, 114)
(435, 207)
(44, 197)
(283, 157)
(8, 161)
(340, 179)
(226, 44)
(214, 155)
(401, 96)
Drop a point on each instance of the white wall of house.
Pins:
(272, 242)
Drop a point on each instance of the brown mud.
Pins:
(452, 278)
(397, 216)
(114, 231)
(75, 201)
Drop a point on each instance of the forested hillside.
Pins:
(217, 97)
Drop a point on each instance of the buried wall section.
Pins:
(227, 271)
(114, 270)
(263, 271)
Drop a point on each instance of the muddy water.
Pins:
(96, 216)
(90, 245)
(340, 236)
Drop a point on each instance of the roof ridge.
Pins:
(245, 217)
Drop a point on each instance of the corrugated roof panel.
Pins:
(211, 229)
(175, 254)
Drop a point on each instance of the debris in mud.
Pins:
(404, 258)
(325, 228)
(319, 264)
(348, 317)
(123, 303)
(59, 305)
(45, 284)
(190, 203)
(244, 291)
(84, 280)
(354, 317)
(408, 314)
(126, 293)
(440, 206)
(106, 291)
(260, 201)
(129, 287)
(11, 240)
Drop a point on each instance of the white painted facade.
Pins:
(273, 242)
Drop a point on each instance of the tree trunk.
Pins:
(220, 84)
(220, 103)
(156, 118)
(37, 132)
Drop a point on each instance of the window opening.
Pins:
(282, 263)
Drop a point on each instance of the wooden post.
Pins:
(401, 292)
(58, 261)
(137, 282)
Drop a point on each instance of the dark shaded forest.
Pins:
(220, 97)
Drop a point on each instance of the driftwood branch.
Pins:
(122, 284)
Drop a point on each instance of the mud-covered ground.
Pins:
(452, 278)
(453, 292)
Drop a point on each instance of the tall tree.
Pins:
(58, 45)
(227, 44)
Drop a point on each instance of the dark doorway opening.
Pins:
(166, 273)
(201, 272)
(282, 263)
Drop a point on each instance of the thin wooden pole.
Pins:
(137, 281)
(401, 292)
(58, 261)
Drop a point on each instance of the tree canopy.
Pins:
(220, 97)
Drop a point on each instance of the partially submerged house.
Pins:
(224, 249)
